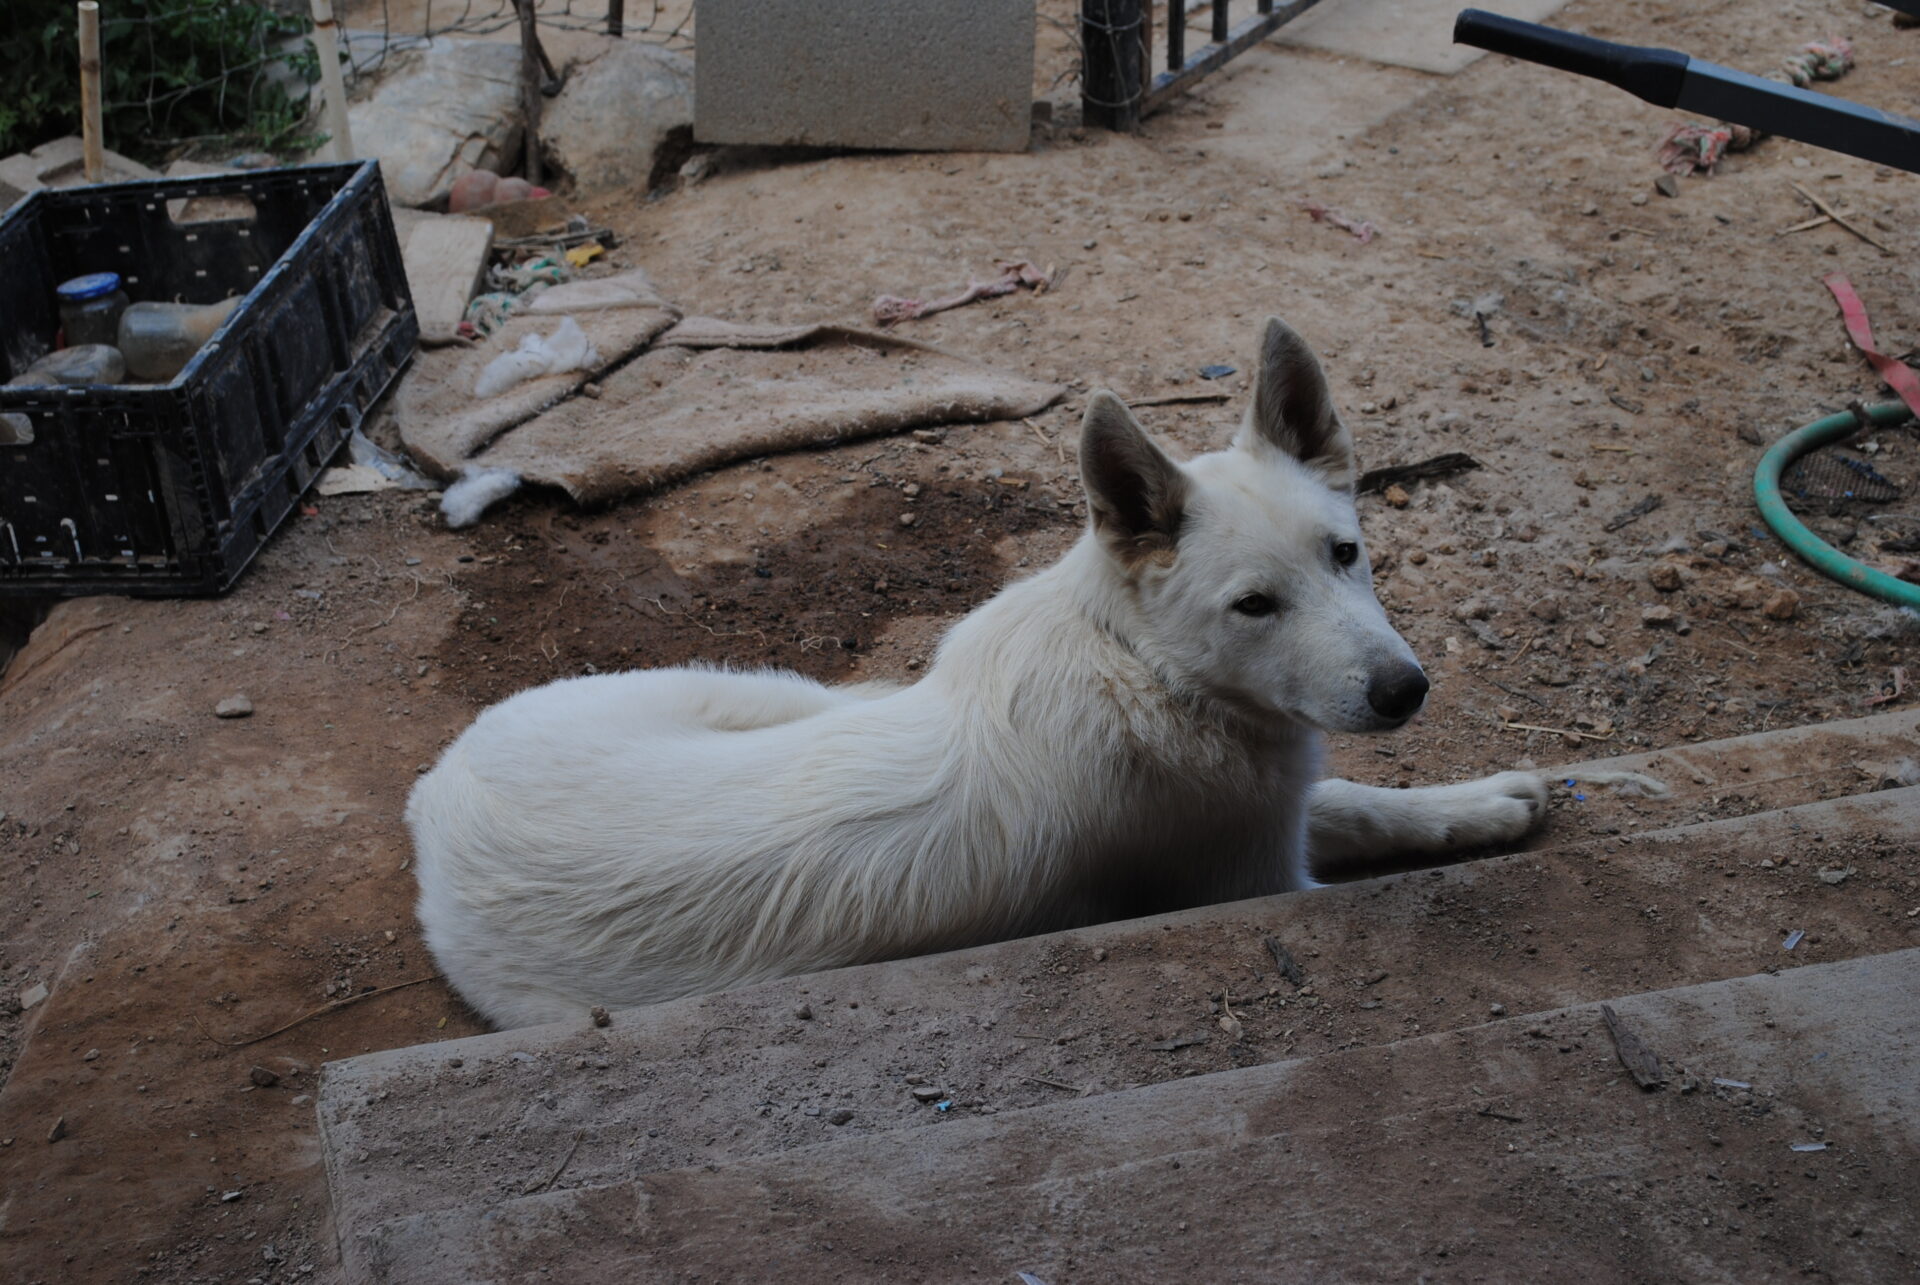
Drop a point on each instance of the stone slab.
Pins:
(1514, 1151)
(901, 74)
(1400, 33)
(445, 256)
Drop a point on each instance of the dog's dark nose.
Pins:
(1397, 693)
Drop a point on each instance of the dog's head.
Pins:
(1245, 567)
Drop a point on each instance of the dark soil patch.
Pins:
(574, 593)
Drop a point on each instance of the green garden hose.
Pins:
(1817, 553)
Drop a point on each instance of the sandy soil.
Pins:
(182, 883)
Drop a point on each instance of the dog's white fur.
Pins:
(1111, 736)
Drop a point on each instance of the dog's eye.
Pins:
(1345, 552)
(1255, 604)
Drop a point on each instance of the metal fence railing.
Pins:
(1118, 85)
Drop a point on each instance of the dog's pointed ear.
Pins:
(1292, 410)
(1135, 494)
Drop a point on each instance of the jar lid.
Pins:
(91, 286)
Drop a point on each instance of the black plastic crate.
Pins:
(171, 489)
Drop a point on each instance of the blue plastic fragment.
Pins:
(1216, 372)
(946, 1105)
(1570, 783)
(1579, 798)
(1793, 939)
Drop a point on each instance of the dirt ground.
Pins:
(183, 884)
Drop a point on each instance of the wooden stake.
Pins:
(530, 84)
(94, 157)
(333, 88)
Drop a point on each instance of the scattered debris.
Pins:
(1782, 604)
(1898, 375)
(1477, 310)
(1834, 215)
(1363, 230)
(1628, 517)
(58, 1131)
(1438, 466)
(891, 309)
(1177, 1042)
(1217, 371)
(1793, 939)
(33, 995)
(840, 1115)
(1893, 689)
(1575, 733)
(1640, 1061)
(1179, 399)
(318, 1012)
(1809, 1146)
(1834, 878)
(1285, 962)
(1397, 496)
(600, 1016)
(562, 1168)
(1055, 1084)
(235, 706)
(1491, 1114)
(1722, 1082)
(264, 1077)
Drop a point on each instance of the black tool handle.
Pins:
(1653, 74)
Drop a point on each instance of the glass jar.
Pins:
(90, 308)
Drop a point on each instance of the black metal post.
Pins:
(1112, 33)
(1176, 34)
(1220, 25)
(616, 18)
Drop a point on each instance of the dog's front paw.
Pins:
(1497, 809)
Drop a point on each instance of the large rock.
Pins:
(60, 163)
(457, 109)
(624, 120)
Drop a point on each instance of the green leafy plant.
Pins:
(172, 71)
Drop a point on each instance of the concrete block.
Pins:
(908, 74)
(60, 163)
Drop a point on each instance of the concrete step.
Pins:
(1741, 776)
(1510, 1151)
(1007, 1027)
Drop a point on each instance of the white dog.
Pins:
(1134, 729)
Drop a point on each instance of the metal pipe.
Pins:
(1220, 23)
(1176, 34)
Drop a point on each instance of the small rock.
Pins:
(1667, 185)
(914, 1079)
(1783, 605)
(92, 1055)
(929, 435)
(1835, 877)
(33, 995)
(1497, 1010)
(927, 1093)
(1547, 609)
(1595, 638)
(1664, 576)
(592, 390)
(1659, 618)
(600, 1016)
(302, 1099)
(1590, 209)
(1100, 955)
(1397, 496)
(840, 1116)
(58, 1131)
(1638, 198)
(235, 706)
(1376, 976)
(228, 1197)
(909, 519)
(804, 1012)
(1417, 556)
(263, 1077)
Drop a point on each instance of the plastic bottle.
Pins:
(159, 339)
(82, 364)
(90, 308)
